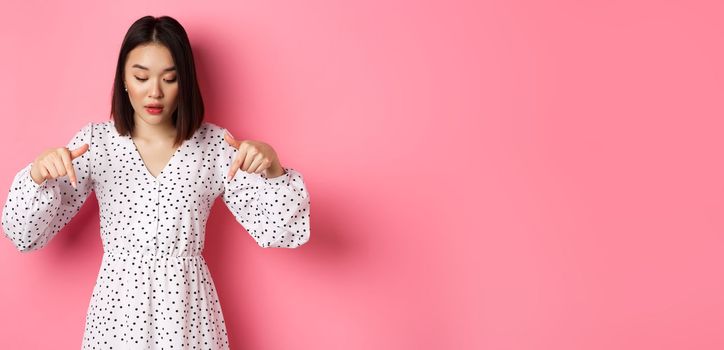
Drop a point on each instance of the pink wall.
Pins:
(483, 175)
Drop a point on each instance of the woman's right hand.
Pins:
(56, 162)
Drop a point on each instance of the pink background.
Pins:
(483, 174)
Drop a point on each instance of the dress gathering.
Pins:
(154, 289)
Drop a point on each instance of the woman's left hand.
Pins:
(253, 157)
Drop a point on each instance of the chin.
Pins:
(155, 119)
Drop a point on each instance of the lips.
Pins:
(154, 109)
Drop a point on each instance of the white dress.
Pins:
(154, 289)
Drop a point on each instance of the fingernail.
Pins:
(228, 132)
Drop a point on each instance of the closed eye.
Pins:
(168, 81)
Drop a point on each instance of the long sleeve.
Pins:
(275, 211)
(33, 214)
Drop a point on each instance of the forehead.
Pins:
(155, 57)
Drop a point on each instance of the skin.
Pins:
(155, 81)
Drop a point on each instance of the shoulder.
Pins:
(99, 127)
(213, 132)
(206, 131)
(100, 130)
(214, 136)
(88, 130)
(212, 129)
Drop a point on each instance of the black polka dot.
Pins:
(154, 289)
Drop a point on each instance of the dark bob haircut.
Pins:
(168, 32)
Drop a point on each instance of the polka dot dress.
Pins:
(154, 289)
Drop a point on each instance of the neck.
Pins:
(163, 131)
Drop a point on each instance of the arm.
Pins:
(34, 213)
(275, 211)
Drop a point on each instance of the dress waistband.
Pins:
(150, 255)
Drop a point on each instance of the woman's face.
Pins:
(150, 77)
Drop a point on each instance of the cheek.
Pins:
(173, 95)
(134, 94)
(137, 97)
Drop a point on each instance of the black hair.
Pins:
(168, 32)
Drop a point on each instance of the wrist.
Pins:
(275, 170)
(35, 177)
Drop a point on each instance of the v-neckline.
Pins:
(145, 170)
(145, 167)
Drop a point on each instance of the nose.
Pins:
(156, 91)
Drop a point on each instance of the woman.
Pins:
(156, 168)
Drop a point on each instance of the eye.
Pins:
(139, 79)
(171, 80)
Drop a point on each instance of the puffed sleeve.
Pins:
(33, 214)
(274, 211)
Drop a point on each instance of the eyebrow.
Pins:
(146, 68)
